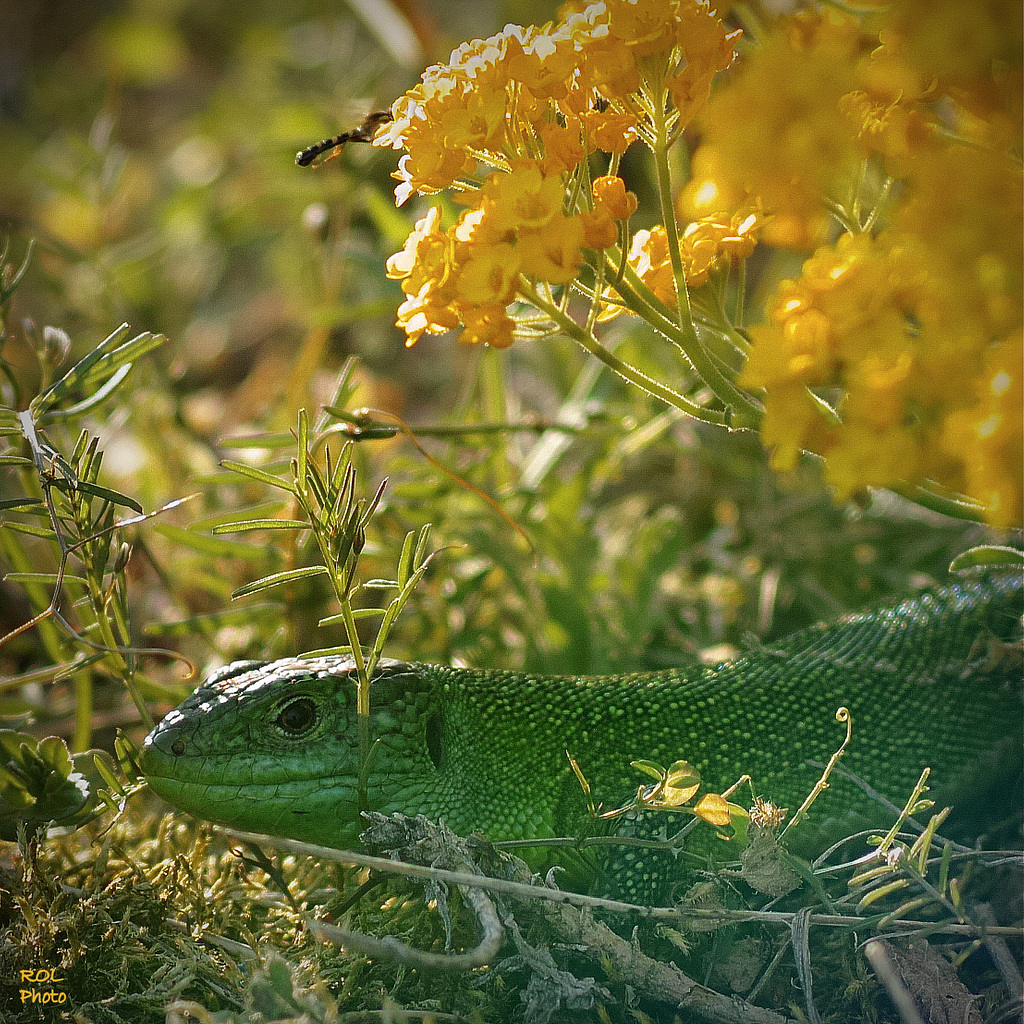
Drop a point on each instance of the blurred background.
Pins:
(148, 147)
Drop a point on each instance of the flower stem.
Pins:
(685, 334)
(745, 410)
(627, 371)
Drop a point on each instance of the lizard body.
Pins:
(273, 747)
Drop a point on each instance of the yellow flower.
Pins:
(488, 325)
(648, 256)
(644, 26)
(800, 349)
(864, 457)
(552, 253)
(922, 387)
(523, 198)
(778, 132)
(489, 275)
(510, 121)
(988, 437)
(540, 59)
(612, 203)
(793, 422)
(966, 210)
(427, 312)
(609, 131)
(611, 195)
(707, 242)
(707, 49)
(563, 146)
(956, 41)
(599, 228)
(426, 254)
(605, 61)
(711, 189)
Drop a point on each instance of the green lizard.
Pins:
(273, 748)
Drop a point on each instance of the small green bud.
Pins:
(124, 553)
(56, 345)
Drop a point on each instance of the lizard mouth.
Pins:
(305, 805)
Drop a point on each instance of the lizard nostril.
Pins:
(178, 748)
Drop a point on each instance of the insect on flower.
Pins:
(332, 146)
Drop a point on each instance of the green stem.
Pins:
(668, 214)
(957, 507)
(352, 633)
(371, 430)
(723, 388)
(114, 653)
(625, 370)
(744, 410)
(741, 294)
(880, 203)
(362, 698)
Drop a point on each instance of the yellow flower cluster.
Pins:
(515, 226)
(532, 104)
(922, 385)
(777, 134)
(703, 246)
(896, 352)
(555, 92)
(825, 91)
(987, 437)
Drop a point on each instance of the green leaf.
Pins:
(277, 579)
(39, 784)
(406, 559)
(284, 439)
(327, 652)
(681, 773)
(32, 531)
(714, 809)
(42, 577)
(303, 451)
(263, 510)
(110, 495)
(55, 750)
(357, 614)
(72, 381)
(11, 742)
(245, 525)
(988, 556)
(258, 474)
(316, 484)
(249, 615)
(123, 355)
(21, 503)
(883, 890)
(104, 767)
(7, 290)
(394, 609)
(97, 398)
(651, 768)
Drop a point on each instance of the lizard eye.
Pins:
(298, 716)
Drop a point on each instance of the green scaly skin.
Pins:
(273, 747)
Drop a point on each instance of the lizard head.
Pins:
(274, 746)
